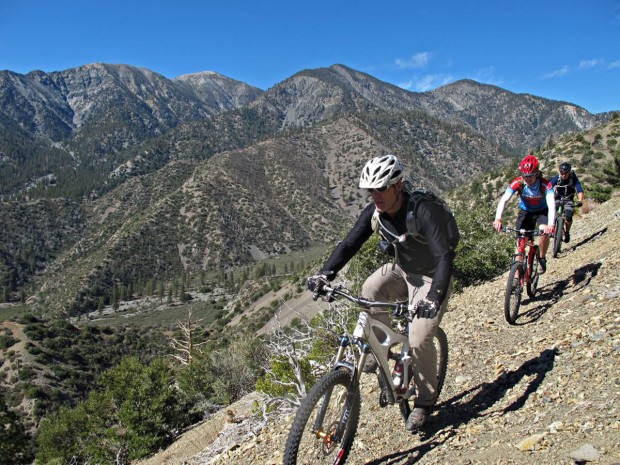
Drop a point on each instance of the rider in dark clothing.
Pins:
(422, 244)
(429, 254)
(566, 184)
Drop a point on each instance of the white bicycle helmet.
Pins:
(381, 172)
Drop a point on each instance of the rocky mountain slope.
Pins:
(517, 121)
(61, 104)
(238, 207)
(236, 173)
(95, 120)
(545, 391)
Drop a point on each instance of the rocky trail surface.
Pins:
(544, 391)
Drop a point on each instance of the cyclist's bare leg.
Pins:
(543, 241)
(543, 245)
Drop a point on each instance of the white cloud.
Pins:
(593, 63)
(557, 73)
(583, 65)
(427, 82)
(419, 60)
(487, 76)
(405, 85)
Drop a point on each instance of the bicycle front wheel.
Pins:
(326, 422)
(532, 283)
(514, 289)
(557, 237)
(441, 345)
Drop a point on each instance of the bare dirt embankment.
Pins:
(546, 391)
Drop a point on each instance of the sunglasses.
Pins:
(528, 176)
(378, 189)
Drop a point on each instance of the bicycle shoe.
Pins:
(417, 418)
(566, 237)
(370, 365)
(543, 265)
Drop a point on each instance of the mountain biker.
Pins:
(536, 206)
(421, 272)
(567, 184)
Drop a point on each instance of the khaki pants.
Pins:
(394, 284)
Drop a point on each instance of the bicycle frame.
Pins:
(525, 240)
(370, 335)
(373, 336)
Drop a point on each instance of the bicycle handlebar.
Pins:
(523, 232)
(563, 200)
(399, 308)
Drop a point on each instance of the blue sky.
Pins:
(563, 50)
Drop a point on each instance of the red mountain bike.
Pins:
(523, 271)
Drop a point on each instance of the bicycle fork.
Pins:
(331, 436)
(521, 260)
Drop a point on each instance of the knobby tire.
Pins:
(441, 344)
(532, 284)
(305, 447)
(557, 237)
(514, 289)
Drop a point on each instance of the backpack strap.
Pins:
(572, 178)
(416, 197)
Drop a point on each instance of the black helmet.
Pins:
(565, 167)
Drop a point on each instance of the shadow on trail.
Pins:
(474, 403)
(550, 294)
(590, 238)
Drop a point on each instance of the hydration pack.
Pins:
(417, 196)
(568, 189)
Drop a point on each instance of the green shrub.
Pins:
(599, 193)
(7, 341)
(482, 253)
(135, 412)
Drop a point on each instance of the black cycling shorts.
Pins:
(529, 220)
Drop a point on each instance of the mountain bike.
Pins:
(560, 219)
(326, 421)
(523, 271)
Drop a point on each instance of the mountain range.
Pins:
(114, 174)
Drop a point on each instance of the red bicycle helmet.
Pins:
(529, 165)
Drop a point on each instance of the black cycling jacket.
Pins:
(429, 254)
